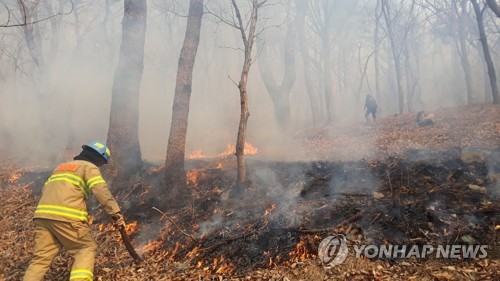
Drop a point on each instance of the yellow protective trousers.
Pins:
(50, 237)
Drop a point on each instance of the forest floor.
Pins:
(384, 183)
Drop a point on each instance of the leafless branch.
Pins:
(230, 78)
(23, 12)
(178, 227)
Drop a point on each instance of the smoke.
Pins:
(48, 111)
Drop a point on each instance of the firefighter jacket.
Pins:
(64, 195)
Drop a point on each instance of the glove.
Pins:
(118, 220)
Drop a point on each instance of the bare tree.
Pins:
(312, 92)
(248, 39)
(175, 175)
(494, 6)
(321, 17)
(33, 41)
(24, 5)
(486, 51)
(376, 45)
(248, 31)
(123, 132)
(462, 47)
(280, 93)
(395, 49)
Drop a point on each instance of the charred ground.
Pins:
(402, 185)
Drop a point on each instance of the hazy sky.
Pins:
(70, 92)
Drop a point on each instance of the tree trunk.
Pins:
(34, 46)
(494, 7)
(280, 94)
(395, 55)
(311, 93)
(123, 132)
(175, 175)
(486, 51)
(462, 51)
(376, 43)
(327, 72)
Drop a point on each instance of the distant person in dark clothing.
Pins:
(371, 107)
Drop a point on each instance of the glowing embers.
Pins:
(131, 228)
(218, 266)
(269, 210)
(152, 245)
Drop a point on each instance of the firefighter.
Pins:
(61, 215)
(371, 107)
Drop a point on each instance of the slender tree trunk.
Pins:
(408, 79)
(123, 132)
(395, 55)
(376, 43)
(462, 50)
(486, 51)
(175, 175)
(34, 46)
(327, 79)
(494, 6)
(311, 92)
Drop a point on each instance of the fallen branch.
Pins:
(314, 231)
(23, 205)
(178, 227)
(331, 229)
(211, 248)
(351, 219)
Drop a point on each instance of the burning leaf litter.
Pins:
(442, 197)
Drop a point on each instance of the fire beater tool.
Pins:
(128, 245)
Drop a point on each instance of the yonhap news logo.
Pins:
(333, 250)
(421, 251)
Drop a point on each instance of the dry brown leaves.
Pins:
(477, 126)
(467, 127)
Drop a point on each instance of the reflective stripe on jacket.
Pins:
(64, 195)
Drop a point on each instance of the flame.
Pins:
(159, 168)
(14, 177)
(230, 149)
(270, 209)
(131, 227)
(192, 176)
(193, 252)
(177, 246)
(218, 266)
(226, 268)
(249, 149)
(152, 245)
(146, 190)
(220, 166)
(300, 253)
(196, 154)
